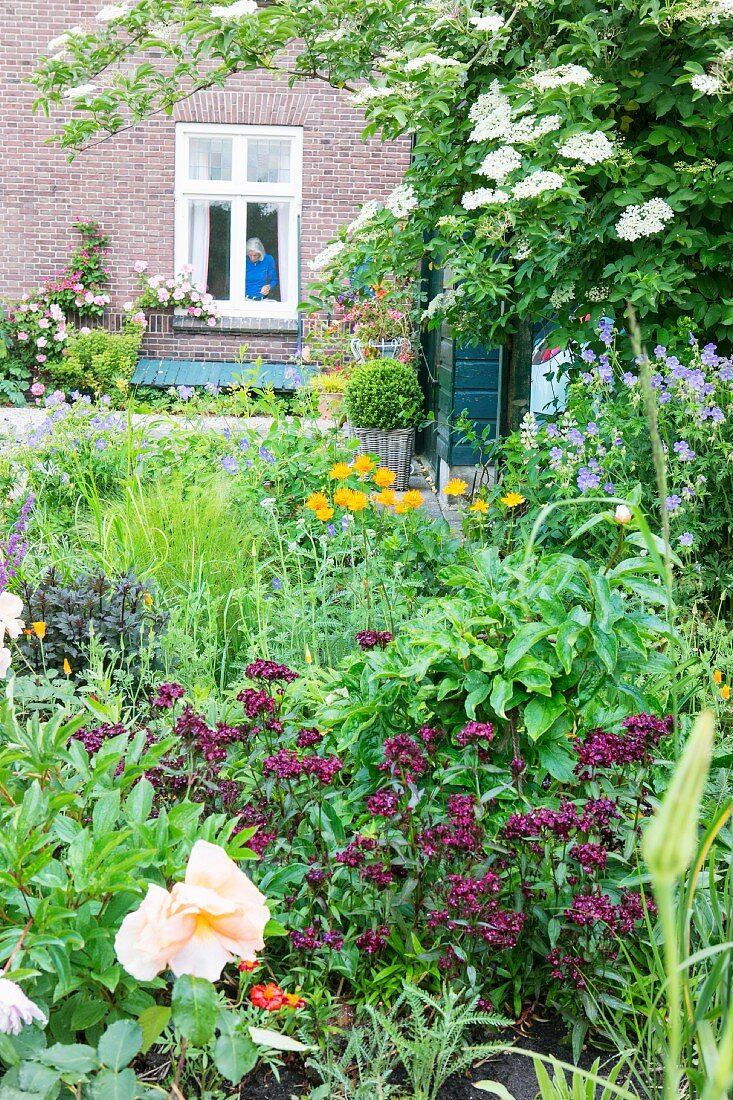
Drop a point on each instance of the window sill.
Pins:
(235, 325)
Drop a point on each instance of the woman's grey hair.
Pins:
(254, 244)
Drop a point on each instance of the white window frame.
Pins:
(240, 192)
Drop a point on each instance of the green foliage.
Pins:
(98, 362)
(195, 1008)
(14, 380)
(384, 394)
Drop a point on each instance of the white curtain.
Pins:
(283, 249)
(198, 242)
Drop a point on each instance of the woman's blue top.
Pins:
(260, 273)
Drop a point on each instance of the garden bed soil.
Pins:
(514, 1071)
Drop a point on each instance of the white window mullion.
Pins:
(238, 256)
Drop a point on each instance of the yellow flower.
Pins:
(357, 500)
(341, 497)
(316, 501)
(725, 692)
(66, 667)
(717, 675)
(308, 655)
(512, 500)
(413, 498)
(388, 497)
(340, 471)
(148, 599)
(39, 629)
(384, 478)
(455, 487)
(480, 506)
(324, 514)
(400, 507)
(362, 465)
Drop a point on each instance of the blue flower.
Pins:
(587, 479)
(589, 355)
(672, 502)
(100, 444)
(244, 443)
(628, 378)
(683, 451)
(266, 455)
(184, 392)
(276, 583)
(230, 464)
(660, 351)
(686, 538)
(331, 530)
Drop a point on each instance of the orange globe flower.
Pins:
(384, 478)
(401, 508)
(413, 498)
(316, 501)
(717, 676)
(725, 692)
(324, 514)
(480, 506)
(512, 500)
(341, 497)
(455, 487)
(388, 497)
(357, 500)
(363, 464)
(340, 471)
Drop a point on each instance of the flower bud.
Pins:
(670, 839)
(622, 515)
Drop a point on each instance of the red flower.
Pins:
(270, 996)
(247, 967)
(292, 1000)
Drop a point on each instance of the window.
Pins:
(238, 194)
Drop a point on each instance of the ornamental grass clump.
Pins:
(385, 395)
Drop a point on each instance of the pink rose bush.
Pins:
(16, 1009)
(180, 292)
(201, 924)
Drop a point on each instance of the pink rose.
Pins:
(41, 341)
(139, 318)
(41, 358)
(85, 330)
(22, 335)
(38, 389)
(211, 322)
(140, 266)
(215, 914)
(88, 297)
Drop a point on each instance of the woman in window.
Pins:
(261, 277)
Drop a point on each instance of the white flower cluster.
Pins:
(110, 12)
(498, 165)
(536, 183)
(402, 200)
(365, 215)
(708, 85)
(370, 92)
(430, 61)
(484, 196)
(490, 22)
(561, 76)
(63, 39)
(327, 256)
(562, 295)
(598, 293)
(522, 249)
(589, 148)
(441, 303)
(494, 117)
(644, 220)
(333, 36)
(528, 431)
(81, 91)
(237, 10)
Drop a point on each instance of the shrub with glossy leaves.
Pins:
(384, 394)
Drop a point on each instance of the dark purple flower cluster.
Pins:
(475, 733)
(316, 876)
(195, 732)
(591, 857)
(307, 737)
(607, 750)
(382, 804)
(373, 940)
(468, 895)
(370, 639)
(256, 814)
(256, 702)
(286, 764)
(598, 813)
(355, 852)
(311, 938)
(403, 757)
(270, 671)
(462, 833)
(567, 968)
(93, 739)
(429, 735)
(474, 903)
(167, 694)
(590, 909)
(559, 823)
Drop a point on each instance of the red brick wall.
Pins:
(127, 182)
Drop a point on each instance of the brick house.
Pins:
(255, 159)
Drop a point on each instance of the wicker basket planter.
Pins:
(394, 449)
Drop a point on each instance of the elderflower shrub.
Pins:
(599, 446)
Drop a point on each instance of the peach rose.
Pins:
(215, 914)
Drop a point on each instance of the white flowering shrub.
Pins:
(555, 145)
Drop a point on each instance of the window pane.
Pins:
(268, 161)
(210, 158)
(269, 248)
(210, 244)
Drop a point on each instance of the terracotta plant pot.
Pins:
(329, 405)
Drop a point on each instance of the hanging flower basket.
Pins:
(395, 450)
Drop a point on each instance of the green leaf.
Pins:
(495, 1088)
(559, 761)
(120, 1043)
(34, 1077)
(275, 1040)
(195, 1009)
(73, 1058)
(153, 1022)
(523, 641)
(540, 714)
(501, 693)
(109, 1085)
(235, 1055)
